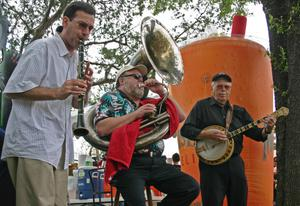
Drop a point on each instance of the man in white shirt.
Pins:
(43, 87)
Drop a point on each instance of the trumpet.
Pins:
(80, 129)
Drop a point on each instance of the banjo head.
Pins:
(212, 150)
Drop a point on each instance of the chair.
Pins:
(96, 177)
(148, 192)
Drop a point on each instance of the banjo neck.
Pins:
(283, 111)
(242, 129)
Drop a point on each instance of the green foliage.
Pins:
(286, 23)
(283, 60)
(281, 93)
(28, 17)
(228, 7)
(294, 15)
(280, 61)
(284, 94)
(116, 36)
(164, 5)
(278, 24)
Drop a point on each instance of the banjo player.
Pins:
(227, 178)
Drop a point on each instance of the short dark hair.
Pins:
(75, 6)
(221, 75)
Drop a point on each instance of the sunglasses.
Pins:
(136, 76)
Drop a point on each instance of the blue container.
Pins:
(84, 184)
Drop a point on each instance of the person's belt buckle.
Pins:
(143, 151)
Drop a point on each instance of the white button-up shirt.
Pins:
(38, 129)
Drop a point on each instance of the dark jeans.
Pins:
(225, 179)
(7, 190)
(181, 189)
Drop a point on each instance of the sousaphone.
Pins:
(159, 52)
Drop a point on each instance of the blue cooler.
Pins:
(84, 185)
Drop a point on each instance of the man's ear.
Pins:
(121, 81)
(65, 21)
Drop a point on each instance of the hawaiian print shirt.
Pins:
(116, 104)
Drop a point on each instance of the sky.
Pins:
(256, 30)
(257, 26)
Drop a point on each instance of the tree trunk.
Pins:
(285, 55)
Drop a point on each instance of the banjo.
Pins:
(214, 152)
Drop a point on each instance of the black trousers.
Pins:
(181, 189)
(227, 179)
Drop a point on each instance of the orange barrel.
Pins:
(250, 68)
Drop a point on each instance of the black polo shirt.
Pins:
(208, 112)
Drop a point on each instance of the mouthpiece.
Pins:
(143, 85)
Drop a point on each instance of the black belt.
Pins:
(146, 154)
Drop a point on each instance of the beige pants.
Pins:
(38, 183)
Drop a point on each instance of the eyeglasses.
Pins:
(227, 87)
(136, 76)
(83, 25)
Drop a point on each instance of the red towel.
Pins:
(123, 139)
(120, 150)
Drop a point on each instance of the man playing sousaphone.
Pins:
(224, 177)
(119, 114)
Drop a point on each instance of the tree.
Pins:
(284, 25)
(116, 36)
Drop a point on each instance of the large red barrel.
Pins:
(249, 66)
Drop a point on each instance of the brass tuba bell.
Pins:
(159, 52)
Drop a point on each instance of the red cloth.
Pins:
(123, 139)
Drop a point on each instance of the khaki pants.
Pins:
(37, 183)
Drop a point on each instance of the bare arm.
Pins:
(37, 93)
(108, 125)
(70, 87)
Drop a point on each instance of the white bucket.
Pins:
(81, 160)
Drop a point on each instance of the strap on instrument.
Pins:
(228, 118)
